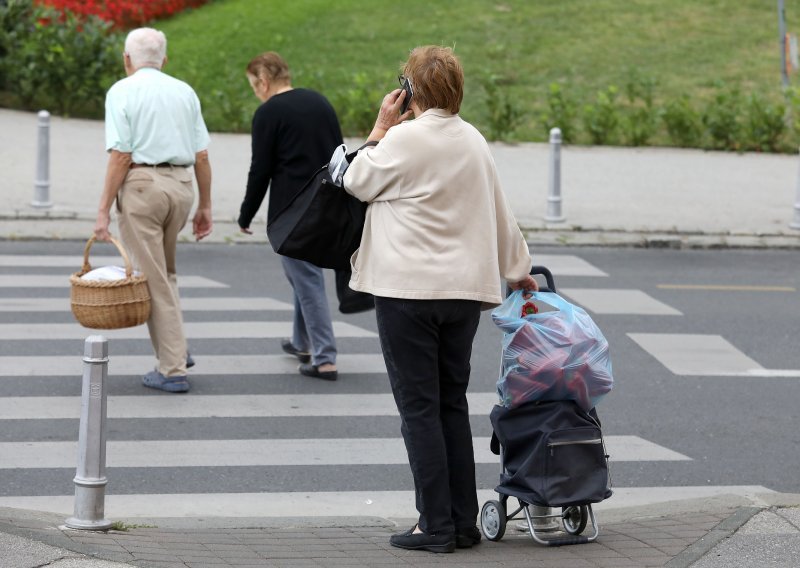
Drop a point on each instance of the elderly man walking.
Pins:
(154, 133)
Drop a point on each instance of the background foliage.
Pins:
(635, 72)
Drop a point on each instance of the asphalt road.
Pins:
(736, 430)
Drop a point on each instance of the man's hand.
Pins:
(202, 223)
(528, 283)
(101, 225)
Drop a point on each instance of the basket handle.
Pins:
(87, 267)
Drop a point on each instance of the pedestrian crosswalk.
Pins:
(346, 442)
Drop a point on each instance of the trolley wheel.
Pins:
(493, 520)
(574, 518)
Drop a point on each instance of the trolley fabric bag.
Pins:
(553, 454)
(322, 224)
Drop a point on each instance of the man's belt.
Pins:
(161, 165)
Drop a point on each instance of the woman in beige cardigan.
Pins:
(437, 239)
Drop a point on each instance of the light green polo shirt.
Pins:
(156, 118)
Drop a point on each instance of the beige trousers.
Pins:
(153, 206)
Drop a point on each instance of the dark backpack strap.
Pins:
(367, 144)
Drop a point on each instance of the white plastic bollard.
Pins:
(795, 224)
(90, 478)
(41, 192)
(554, 187)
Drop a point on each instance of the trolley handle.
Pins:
(548, 276)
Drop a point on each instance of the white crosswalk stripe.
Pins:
(62, 281)
(609, 301)
(205, 304)
(304, 452)
(215, 365)
(704, 355)
(194, 330)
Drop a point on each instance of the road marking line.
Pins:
(619, 301)
(215, 365)
(41, 260)
(567, 265)
(193, 330)
(222, 406)
(280, 452)
(208, 304)
(363, 504)
(692, 354)
(62, 281)
(727, 288)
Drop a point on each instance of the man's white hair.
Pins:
(146, 47)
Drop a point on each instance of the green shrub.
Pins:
(601, 119)
(683, 122)
(721, 118)
(640, 119)
(764, 125)
(56, 61)
(357, 106)
(562, 113)
(503, 112)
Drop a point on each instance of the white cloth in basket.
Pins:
(107, 273)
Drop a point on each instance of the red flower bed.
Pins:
(124, 13)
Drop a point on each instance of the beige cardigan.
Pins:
(438, 225)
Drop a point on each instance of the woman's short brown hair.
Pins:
(271, 65)
(436, 77)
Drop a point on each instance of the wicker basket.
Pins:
(109, 305)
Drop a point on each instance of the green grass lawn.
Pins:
(351, 50)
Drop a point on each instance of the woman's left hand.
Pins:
(528, 283)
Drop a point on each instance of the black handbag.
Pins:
(322, 224)
(351, 301)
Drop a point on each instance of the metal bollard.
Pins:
(554, 187)
(90, 478)
(41, 192)
(795, 224)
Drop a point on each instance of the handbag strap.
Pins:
(367, 144)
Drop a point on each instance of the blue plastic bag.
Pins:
(558, 354)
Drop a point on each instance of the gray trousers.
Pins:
(313, 329)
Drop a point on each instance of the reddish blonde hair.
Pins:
(269, 65)
(436, 76)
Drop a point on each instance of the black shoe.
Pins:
(310, 370)
(422, 541)
(289, 348)
(466, 538)
(189, 360)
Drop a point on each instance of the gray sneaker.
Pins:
(156, 380)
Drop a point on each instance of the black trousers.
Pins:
(427, 346)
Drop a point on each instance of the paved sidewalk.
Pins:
(702, 534)
(611, 196)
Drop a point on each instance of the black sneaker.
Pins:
(423, 541)
(290, 349)
(466, 538)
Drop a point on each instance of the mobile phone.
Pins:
(409, 94)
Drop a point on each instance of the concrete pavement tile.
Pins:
(614, 562)
(156, 557)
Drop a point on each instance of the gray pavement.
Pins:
(611, 197)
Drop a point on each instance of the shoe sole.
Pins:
(176, 386)
(439, 548)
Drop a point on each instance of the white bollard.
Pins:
(41, 192)
(90, 478)
(554, 186)
(795, 224)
